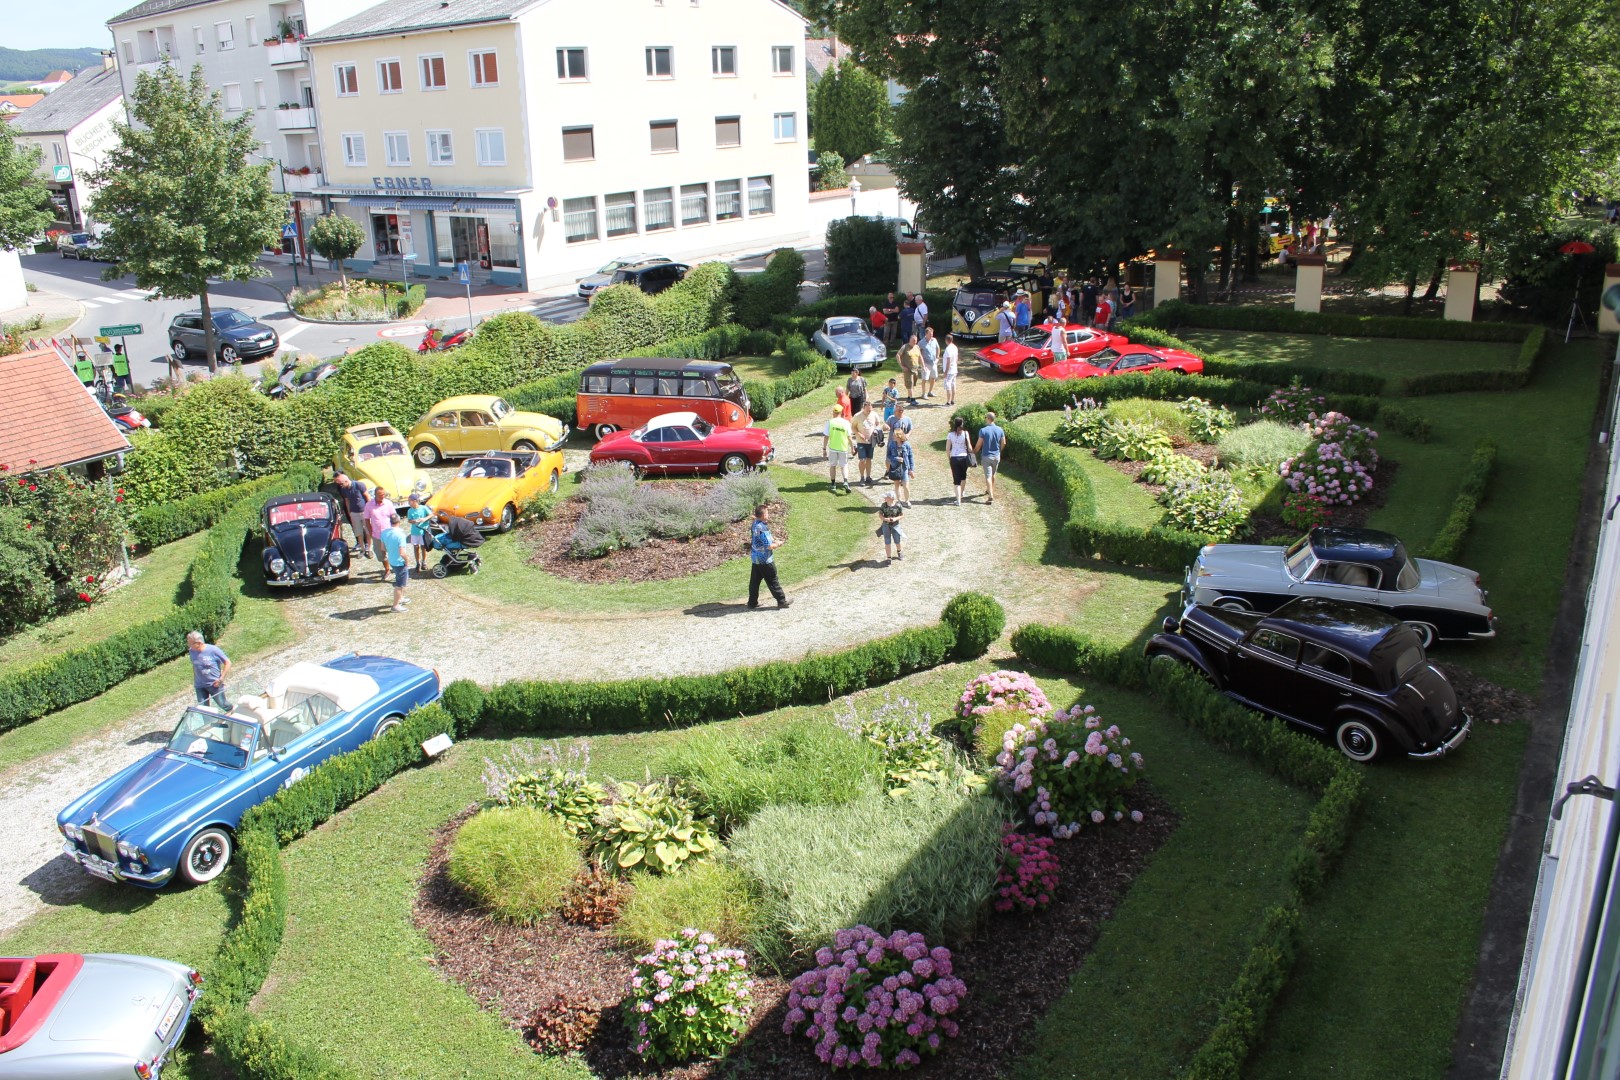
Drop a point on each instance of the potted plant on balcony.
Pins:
(286, 30)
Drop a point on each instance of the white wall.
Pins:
(13, 293)
(827, 207)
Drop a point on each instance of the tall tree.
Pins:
(183, 204)
(22, 192)
(852, 112)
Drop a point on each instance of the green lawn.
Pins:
(774, 366)
(151, 594)
(824, 532)
(1392, 357)
(1119, 498)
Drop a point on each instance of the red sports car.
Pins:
(1126, 359)
(1027, 354)
(685, 442)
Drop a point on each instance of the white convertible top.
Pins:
(349, 689)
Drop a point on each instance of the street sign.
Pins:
(62, 174)
(289, 231)
(126, 330)
(463, 273)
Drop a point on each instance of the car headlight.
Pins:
(335, 558)
(73, 832)
(277, 565)
(841, 351)
(485, 513)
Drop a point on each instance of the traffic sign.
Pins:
(62, 174)
(463, 273)
(289, 231)
(126, 330)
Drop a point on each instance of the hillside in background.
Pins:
(28, 65)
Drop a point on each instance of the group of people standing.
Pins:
(383, 531)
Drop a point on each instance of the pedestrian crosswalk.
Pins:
(123, 296)
(560, 309)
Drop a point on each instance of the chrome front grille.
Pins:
(101, 843)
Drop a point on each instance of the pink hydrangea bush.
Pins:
(1029, 872)
(1071, 768)
(1295, 403)
(688, 999)
(1337, 468)
(1000, 689)
(876, 1001)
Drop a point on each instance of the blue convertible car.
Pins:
(178, 808)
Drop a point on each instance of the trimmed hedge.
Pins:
(1396, 419)
(770, 292)
(80, 674)
(1284, 753)
(1287, 321)
(811, 370)
(171, 521)
(1447, 546)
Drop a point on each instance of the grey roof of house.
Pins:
(396, 16)
(154, 7)
(77, 101)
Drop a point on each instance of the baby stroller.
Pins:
(459, 540)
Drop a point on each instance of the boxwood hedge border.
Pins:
(1448, 544)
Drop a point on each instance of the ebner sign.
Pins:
(402, 183)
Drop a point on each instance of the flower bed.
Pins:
(358, 301)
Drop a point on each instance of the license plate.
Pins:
(169, 1015)
(103, 872)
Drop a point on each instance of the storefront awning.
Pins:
(418, 202)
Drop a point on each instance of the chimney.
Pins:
(108, 60)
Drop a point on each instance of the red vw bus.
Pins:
(617, 395)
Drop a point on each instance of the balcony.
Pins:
(284, 53)
(296, 184)
(299, 119)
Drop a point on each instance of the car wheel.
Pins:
(556, 482)
(426, 454)
(389, 723)
(733, 463)
(178, 350)
(1358, 740)
(1228, 603)
(206, 856)
(228, 354)
(604, 430)
(1425, 632)
(1029, 368)
(508, 518)
(524, 446)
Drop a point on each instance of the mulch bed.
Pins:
(656, 560)
(1015, 968)
(1486, 702)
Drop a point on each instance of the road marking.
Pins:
(299, 329)
(404, 330)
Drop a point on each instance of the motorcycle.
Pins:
(118, 409)
(287, 383)
(435, 340)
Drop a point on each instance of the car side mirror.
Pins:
(278, 752)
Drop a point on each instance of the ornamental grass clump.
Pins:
(1338, 466)
(993, 690)
(1165, 415)
(688, 999)
(517, 862)
(1262, 445)
(875, 1001)
(1029, 872)
(621, 512)
(549, 783)
(1069, 769)
(712, 894)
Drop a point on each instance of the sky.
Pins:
(60, 24)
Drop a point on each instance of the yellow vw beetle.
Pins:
(477, 424)
(376, 454)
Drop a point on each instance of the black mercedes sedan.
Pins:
(1350, 673)
(303, 544)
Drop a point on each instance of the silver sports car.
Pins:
(846, 341)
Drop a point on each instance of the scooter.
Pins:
(118, 409)
(286, 383)
(435, 341)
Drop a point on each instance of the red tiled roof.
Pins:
(56, 77)
(49, 419)
(21, 101)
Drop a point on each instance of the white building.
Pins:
(537, 139)
(73, 129)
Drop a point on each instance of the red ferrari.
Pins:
(1126, 359)
(683, 442)
(1027, 354)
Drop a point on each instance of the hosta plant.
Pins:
(688, 999)
(876, 1001)
(1083, 427)
(1029, 872)
(1295, 403)
(1069, 769)
(993, 690)
(1209, 503)
(650, 826)
(549, 782)
(1171, 467)
(1206, 421)
(912, 753)
(1132, 440)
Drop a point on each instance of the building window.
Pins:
(621, 213)
(728, 131)
(760, 199)
(491, 146)
(785, 126)
(694, 204)
(440, 149)
(485, 70)
(781, 59)
(579, 144)
(348, 79)
(354, 149)
(723, 58)
(233, 97)
(226, 36)
(665, 137)
(579, 219)
(397, 147)
(571, 64)
(197, 35)
(251, 28)
(129, 51)
(390, 80)
(56, 149)
(727, 200)
(658, 206)
(258, 91)
(432, 72)
(660, 62)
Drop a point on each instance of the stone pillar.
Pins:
(1166, 276)
(913, 273)
(1462, 282)
(1609, 318)
(1308, 282)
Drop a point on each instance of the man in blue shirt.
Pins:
(393, 542)
(763, 564)
(992, 441)
(209, 666)
(1021, 313)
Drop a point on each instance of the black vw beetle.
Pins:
(303, 544)
(1351, 673)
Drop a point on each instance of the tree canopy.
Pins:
(336, 237)
(22, 193)
(852, 112)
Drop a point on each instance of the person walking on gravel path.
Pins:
(919, 314)
(891, 400)
(867, 424)
(911, 362)
(394, 540)
(992, 441)
(930, 364)
(762, 560)
(855, 387)
(836, 438)
(948, 361)
(380, 513)
(902, 466)
(899, 421)
(416, 516)
(959, 451)
(889, 515)
(352, 493)
(209, 667)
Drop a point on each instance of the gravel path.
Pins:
(949, 549)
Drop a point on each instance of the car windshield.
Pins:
(1408, 578)
(499, 407)
(224, 740)
(1300, 559)
(971, 298)
(303, 510)
(80, 238)
(493, 468)
(386, 448)
(703, 428)
(846, 326)
(230, 320)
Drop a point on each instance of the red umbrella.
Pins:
(1577, 247)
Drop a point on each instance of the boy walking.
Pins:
(762, 560)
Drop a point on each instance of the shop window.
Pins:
(354, 149)
(761, 195)
(389, 78)
(440, 149)
(579, 219)
(503, 242)
(728, 131)
(785, 126)
(658, 208)
(727, 200)
(485, 69)
(348, 79)
(397, 147)
(432, 72)
(665, 136)
(694, 204)
(723, 59)
(491, 146)
(579, 144)
(571, 64)
(621, 213)
(660, 62)
(781, 59)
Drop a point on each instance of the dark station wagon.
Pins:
(1350, 673)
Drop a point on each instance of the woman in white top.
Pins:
(958, 447)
